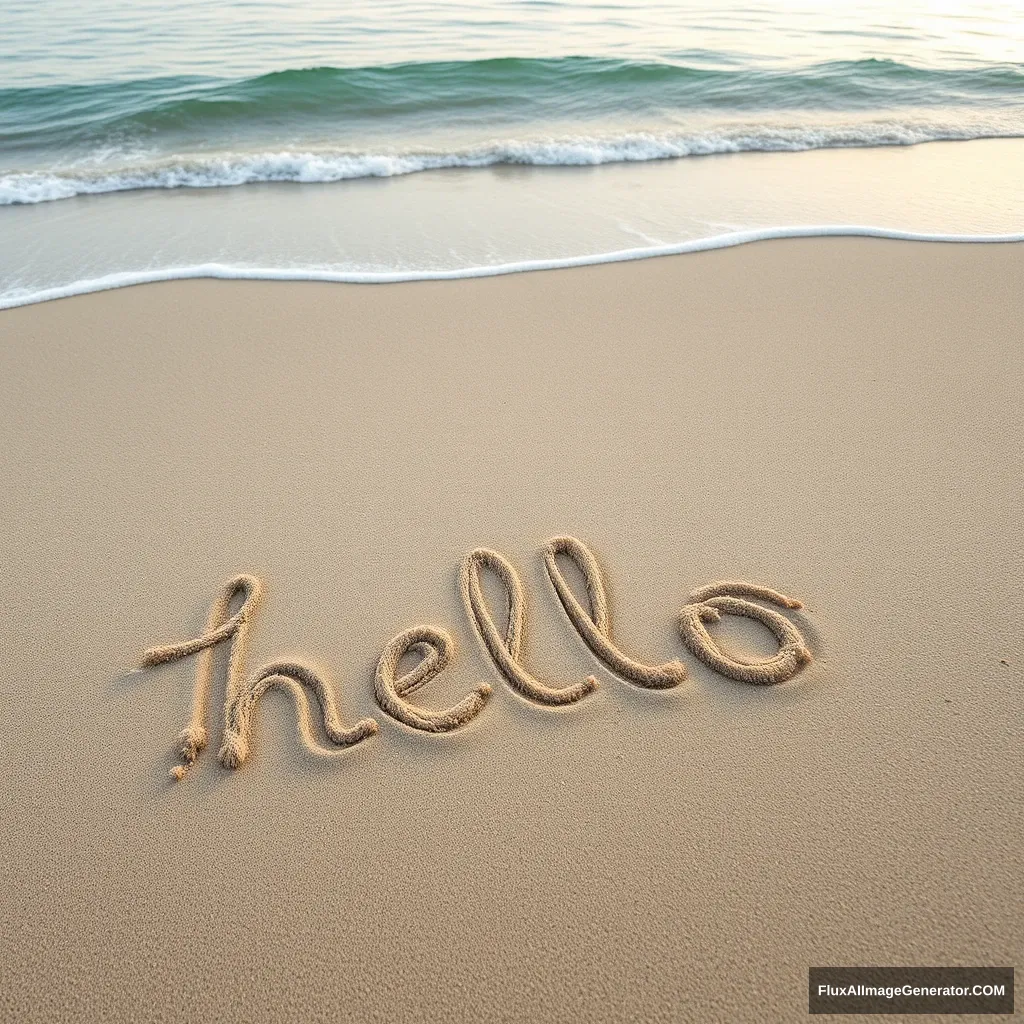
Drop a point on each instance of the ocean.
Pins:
(396, 140)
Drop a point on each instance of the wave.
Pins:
(226, 169)
(413, 87)
(478, 91)
(329, 124)
(222, 271)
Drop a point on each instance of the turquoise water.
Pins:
(60, 41)
(104, 102)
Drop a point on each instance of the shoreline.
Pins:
(462, 223)
(226, 272)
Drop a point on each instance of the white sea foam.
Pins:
(23, 187)
(23, 297)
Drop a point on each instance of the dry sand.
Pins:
(839, 419)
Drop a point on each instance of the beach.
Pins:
(466, 222)
(835, 418)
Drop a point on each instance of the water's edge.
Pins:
(224, 271)
(220, 170)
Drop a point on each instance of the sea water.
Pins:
(396, 140)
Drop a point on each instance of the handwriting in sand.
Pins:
(435, 649)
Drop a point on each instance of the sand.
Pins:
(837, 419)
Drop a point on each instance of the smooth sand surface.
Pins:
(840, 419)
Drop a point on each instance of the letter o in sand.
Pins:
(791, 657)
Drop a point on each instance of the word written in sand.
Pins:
(435, 649)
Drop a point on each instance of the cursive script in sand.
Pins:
(435, 649)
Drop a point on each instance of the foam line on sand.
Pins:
(227, 271)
